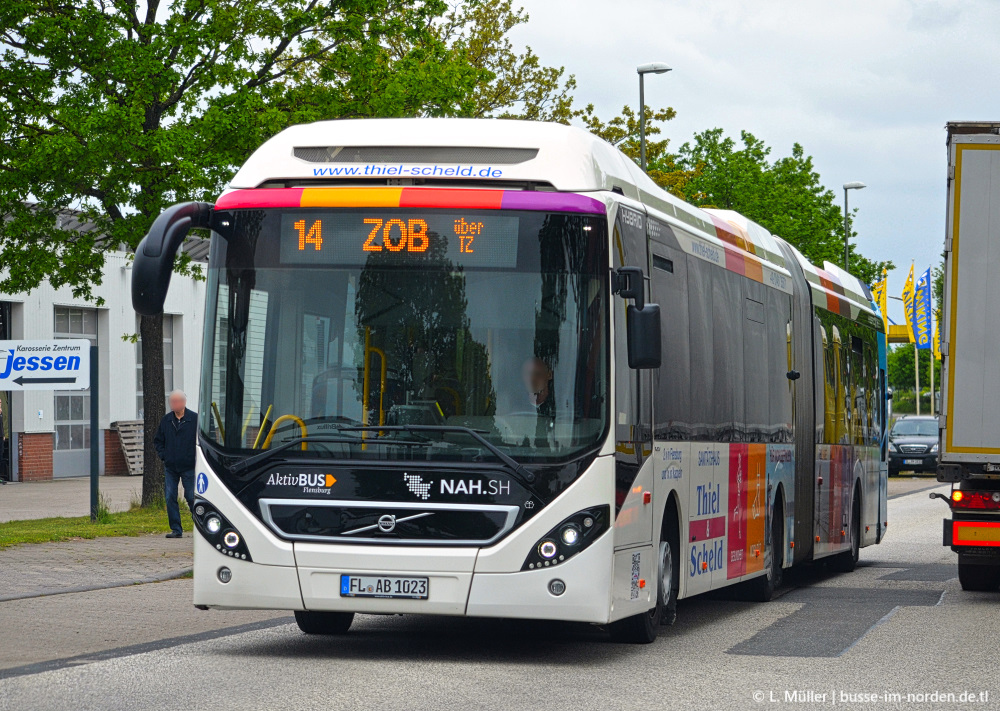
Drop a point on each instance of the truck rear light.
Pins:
(981, 500)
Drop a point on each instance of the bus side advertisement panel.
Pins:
(706, 554)
(756, 506)
(737, 515)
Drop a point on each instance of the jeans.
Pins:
(170, 491)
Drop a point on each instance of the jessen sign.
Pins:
(61, 364)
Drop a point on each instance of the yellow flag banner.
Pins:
(937, 334)
(880, 296)
(908, 291)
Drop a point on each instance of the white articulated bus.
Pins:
(489, 368)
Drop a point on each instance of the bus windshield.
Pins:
(323, 322)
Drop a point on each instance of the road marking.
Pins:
(91, 657)
(915, 491)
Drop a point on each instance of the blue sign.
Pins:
(922, 311)
(201, 485)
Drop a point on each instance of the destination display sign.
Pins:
(58, 364)
(400, 237)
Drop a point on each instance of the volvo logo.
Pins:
(387, 523)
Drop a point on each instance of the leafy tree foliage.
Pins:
(118, 108)
(901, 368)
(784, 195)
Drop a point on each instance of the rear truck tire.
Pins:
(761, 589)
(643, 628)
(325, 623)
(848, 561)
(978, 578)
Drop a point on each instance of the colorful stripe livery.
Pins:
(423, 198)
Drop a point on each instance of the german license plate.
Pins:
(384, 586)
(913, 462)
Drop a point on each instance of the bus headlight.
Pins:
(548, 550)
(570, 535)
(218, 531)
(569, 538)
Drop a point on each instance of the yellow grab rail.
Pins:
(260, 432)
(218, 420)
(366, 381)
(284, 418)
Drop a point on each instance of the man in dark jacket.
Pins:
(174, 442)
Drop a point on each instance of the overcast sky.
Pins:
(865, 86)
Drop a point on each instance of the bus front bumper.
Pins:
(454, 586)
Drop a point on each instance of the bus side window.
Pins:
(702, 386)
(672, 383)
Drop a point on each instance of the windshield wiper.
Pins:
(253, 459)
(526, 475)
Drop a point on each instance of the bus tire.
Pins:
(761, 589)
(643, 628)
(978, 578)
(848, 561)
(326, 623)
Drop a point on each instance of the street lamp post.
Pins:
(644, 69)
(847, 221)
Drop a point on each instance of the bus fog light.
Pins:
(588, 522)
(557, 587)
(231, 539)
(547, 549)
(200, 510)
(213, 524)
(225, 574)
(570, 535)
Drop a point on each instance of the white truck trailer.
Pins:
(969, 446)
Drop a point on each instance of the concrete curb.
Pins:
(173, 575)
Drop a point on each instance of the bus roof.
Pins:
(505, 153)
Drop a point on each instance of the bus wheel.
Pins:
(846, 562)
(324, 622)
(978, 578)
(761, 589)
(643, 628)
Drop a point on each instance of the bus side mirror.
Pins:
(643, 336)
(154, 257)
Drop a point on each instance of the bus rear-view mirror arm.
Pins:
(643, 329)
(154, 257)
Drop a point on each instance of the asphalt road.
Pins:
(899, 624)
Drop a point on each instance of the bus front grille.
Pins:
(389, 522)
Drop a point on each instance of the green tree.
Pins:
(511, 84)
(786, 195)
(622, 131)
(901, 367)
(117, 109)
